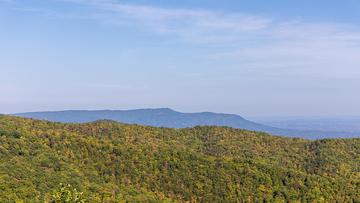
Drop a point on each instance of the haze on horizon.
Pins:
(251, 58)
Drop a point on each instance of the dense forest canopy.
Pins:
(113, 162)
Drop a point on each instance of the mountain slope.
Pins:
(115, 162)
(165, 117)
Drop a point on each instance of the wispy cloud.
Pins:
(303, 49)
(196, 25)
(252, 41)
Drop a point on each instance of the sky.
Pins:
(248, 57)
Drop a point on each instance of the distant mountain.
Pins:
(165, 117)
(344, 124)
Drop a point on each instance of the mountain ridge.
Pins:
(167, 117)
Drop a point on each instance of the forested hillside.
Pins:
(113, 162)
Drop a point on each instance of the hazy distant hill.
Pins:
(113, 162)
(165, 117)
(345, 124)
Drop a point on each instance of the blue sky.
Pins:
(253, 58)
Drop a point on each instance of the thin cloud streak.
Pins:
(191, 25)
(303, 49)
(227, 28)
(251, 41)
